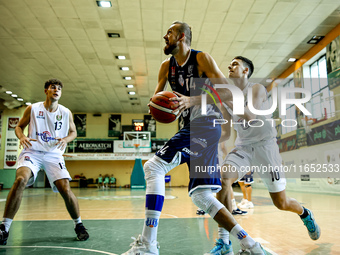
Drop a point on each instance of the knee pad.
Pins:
(204, 199)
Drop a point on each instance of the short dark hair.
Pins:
(53, 81)
(186, 29)
(248, 63)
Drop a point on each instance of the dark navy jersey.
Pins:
(181, 79)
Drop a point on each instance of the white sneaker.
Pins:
(143, 248)
(243, 201)
(248, 205)
(257, 249)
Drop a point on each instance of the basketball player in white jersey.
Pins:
(51, 127)
(255, 145)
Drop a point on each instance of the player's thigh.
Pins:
(236, 164)
(269, 158)
(55, 169)
(29, 164)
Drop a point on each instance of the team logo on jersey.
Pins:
(27, 158)
(45, 136)
(190, 69)
(181, 80)
(59, 117)
(41, 115)
(200, 141)
(173, 71)
(151, 222)
(191, 153)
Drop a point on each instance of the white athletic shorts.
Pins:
(52, 163)
(262, 157)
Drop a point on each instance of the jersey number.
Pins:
(57, 125)
(275, 175)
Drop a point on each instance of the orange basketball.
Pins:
(160, 107)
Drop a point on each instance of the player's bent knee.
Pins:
(204, 199)
(20, 182)
(154, 168)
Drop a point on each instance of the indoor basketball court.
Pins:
(108, 55)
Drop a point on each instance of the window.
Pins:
(290, 110)
(322, 103)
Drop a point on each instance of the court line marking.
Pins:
(58, 247)
(262, 241)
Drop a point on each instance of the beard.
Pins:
(169, 48)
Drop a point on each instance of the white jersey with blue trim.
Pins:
(45, 126)
(262, 128)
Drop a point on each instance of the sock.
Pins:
(7, 222)
(76, 221)
(239, 233)
(223, 234)
(304, 213)
(233, 203)
(153, 208)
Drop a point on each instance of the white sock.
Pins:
(76, 221)
(233, 203)
(150, 226)
(7, 222)
(223, 234)
(239, 233)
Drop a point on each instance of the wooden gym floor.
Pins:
(42, 225)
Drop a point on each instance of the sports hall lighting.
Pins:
(132, 93)
(130, 86)
(127, 78)
(113, 35)
(20, 99)
(9, 92)
(291, 59)
(315, 39)
(125, 68)
(105, 4)
(269, 80)
(120, 57)
(14, 95)
(28, 103)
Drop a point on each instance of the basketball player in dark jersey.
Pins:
(196, 143)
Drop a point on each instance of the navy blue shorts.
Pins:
(197, 143)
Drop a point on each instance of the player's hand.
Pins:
(61, 144)
(183, 102)
(25, 142)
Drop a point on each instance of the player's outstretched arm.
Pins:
(25, 142)
(72, 134)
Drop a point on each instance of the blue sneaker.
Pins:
(221, 248)
(257, 249)
(311, 225)
(239, 212)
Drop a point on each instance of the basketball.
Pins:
(160, 107)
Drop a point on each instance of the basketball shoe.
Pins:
(142, 248)
(247, 205)
(200, 211)
(3, 235)
(311, 225)
(257, 249)
(243, 201)
(239, 212)
(81, 232)
(221, 248)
